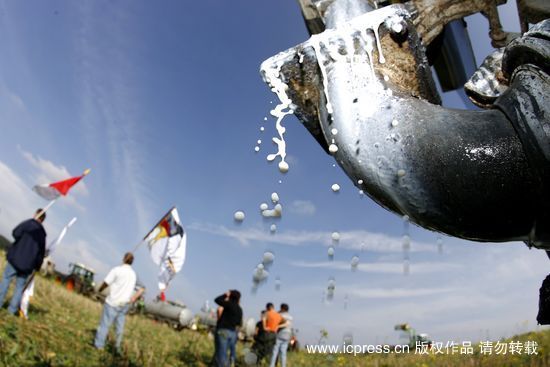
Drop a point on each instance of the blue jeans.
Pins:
(225, 340)
(20, 281)
(111, 314)
(280, 345)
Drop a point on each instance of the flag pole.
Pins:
(45, 209)
(137, 246)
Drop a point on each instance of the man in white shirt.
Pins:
(121, 281)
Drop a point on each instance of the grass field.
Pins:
(61, 327)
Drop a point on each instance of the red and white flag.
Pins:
(54, 190)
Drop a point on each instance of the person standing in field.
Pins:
(229, 321)
(283, 336)
(271, 321)
(121, 281)
(24, 257)
(259, 339)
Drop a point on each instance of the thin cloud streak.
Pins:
(109, 112)
(303, 207)
(382, 268)
(398, 292)
(352, 240)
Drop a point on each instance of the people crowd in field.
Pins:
(25, 256)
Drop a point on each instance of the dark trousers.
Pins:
(270, 339)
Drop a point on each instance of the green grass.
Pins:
(61, 327)
(4, 242)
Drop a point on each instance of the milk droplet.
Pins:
(335, 236)
(334, 131)
(268, 258)
(239, 216)
(262, 128)
(394, 123)
(273, 228)
(333, 148)
(274, 197)
(283, 167)
(397, 27)
(278, 209)
(259, 141)
(280, 181)
(335, 187)
(256, 148)
(271, 157)
(401, 173)
(354, 262)
(265, 118)
(360, 182)
(264, 206)
(330, 252)
(386, 78)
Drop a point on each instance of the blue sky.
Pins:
(165, 103)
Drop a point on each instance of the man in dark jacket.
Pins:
(24, 256)
(226, 328)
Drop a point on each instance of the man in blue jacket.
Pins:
(24, 256)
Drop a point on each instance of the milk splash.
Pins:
(272, 76)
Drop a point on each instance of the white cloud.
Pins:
(80, 250)
(16, 200)
(359, 240)
(382, 268)
(50, 172)
(303, 207)
(13, 98)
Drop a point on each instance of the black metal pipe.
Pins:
(465, 173)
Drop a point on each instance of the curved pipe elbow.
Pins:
(460, 172)
(463, 173)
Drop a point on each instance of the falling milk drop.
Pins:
(268, 258)
(264, 206)
(239, 216)
(256, 148)
(335, 236)
(275, 197)
(330, 253)
(273, 228)
(354, 263)
(335, 187)
(333, 148)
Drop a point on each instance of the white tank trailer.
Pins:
(175, 314)
(248, 329)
